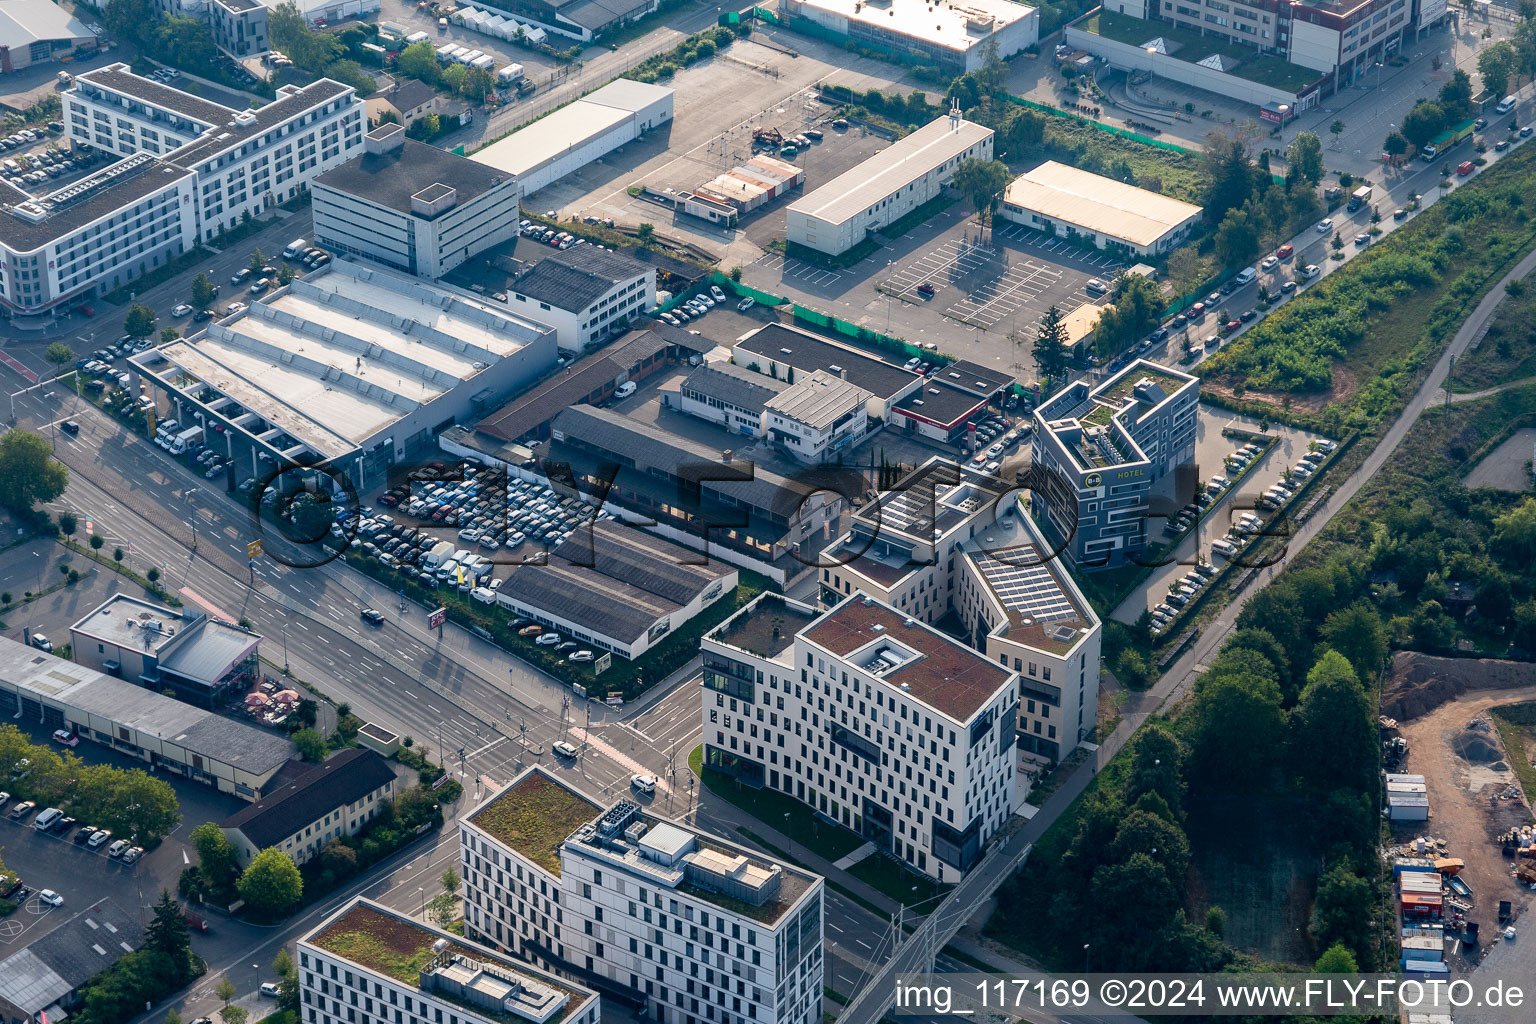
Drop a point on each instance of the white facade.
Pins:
(573, 136)
(817, 417)
(391, 205)
(246, 161)
(347, 969)
(582, 315)
(877, 721)
(701, 929)
(842, 213)
(950, 35)
(1073, 203)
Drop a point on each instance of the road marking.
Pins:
(488, 746)
(205, 604)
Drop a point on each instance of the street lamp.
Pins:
(187, 496)
(423, 915)
(1085, 958)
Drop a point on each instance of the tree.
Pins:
(168, 932)
(172, 1017)
(271, 884)
(215, 853)
(1456, 97)
(58, 354)
(130, 19)
(1051, 344)
(1336, 959)
(140, 322)
(287, 984)
(1235, 729)
(307, 712)
(1357, 633)
(168, 335)
(1333, 739)
(1395, 146)
(450, 881)
(982, 183)
(68, 523)
(1233, 176)
(1237, 239)
(1498, 63)
(1134, 309)
(256, 263)
(202, 291)
(1341, 913)
(644, 233)
(96, 542)
(477, 85)
(1162, 840)
(454, 75)
(226, 991)
(28, 472)
(339, 858)
(1514, 535)
(311, 745)
(419, 60)
(1423, 122)
(234, 1015)
(1157, 759)
(1336, 129)
(1305, 157)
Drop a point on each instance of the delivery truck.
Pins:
(295, 248)
(186, 440)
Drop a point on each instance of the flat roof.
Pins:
(972, 377)
(766, 627)
(71, 207)
(1044, 607)
(818, 400)
(890, 170)
(958, 26)
(932, 500)
(533, 815)
(376, 938)
(570, 127)
(941, 402)
(239, 130)
(946, 675)
(804, 351)
(117, 78)
(391, 179)
(1098, 204)
(90, 692)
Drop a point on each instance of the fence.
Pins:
(1124, 133)
(883, 342)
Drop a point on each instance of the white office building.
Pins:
(1072, 203)
(874, 719)
(368, 964)
(586, 293)
(951, 35)
(701, 929)
(727, 395)
(889, 185)
(817, 418)
(246, 161)
(413, 207)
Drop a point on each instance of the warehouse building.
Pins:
(138, 722)
(617, 588)
(950, 402)
(317, 803)
(585, 293)
(754, 922)
(413, 207)
(926, 768)
(694, 494)
(348, 368)
(201, 659)
(889, 185)
(366, 953)
(951, 35)
(726, 395)
(1071, 203)
(789, 354)
(742, 189)
(1107, 445)
(573, 136)
(583, 20)
(40, 31)
(43, 979)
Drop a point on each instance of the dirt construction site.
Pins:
(1443, 708)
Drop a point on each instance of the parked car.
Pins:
(269, 989)
(51, 898)
(66, 737)
(99, 838)
(644, 783)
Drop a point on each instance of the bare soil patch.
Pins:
(1421, 682)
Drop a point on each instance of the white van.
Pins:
(45, 820)
(1505, 105)
(1226, 549)
(1246, 275)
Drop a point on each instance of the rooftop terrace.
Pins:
(534, 816)
(1191, 47)
(753, 628)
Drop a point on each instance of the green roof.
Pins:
(1122, 388)
(1192, 48)
(534, 816)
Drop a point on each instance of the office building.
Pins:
(43, 979)
(202, 660)
(40, 31)
(586, 293)
(578, 133)
(1070, 203)
(951, 402)
(313, 805)
(1106, 445)
(368, 964)
(139, 723)
(818, 418)
(701, 929)
(789, 354)
(872, 718)
(413, 207)
(345, 369)
(239, 27)
(950, 35)
(615, 588)
(245, 161)
(889, 185)
(726, 395)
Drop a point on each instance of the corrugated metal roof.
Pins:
(1099, 204)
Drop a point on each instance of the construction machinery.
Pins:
(767, 138)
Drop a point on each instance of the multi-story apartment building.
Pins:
(94, 235)
(368, 964)
(413, 207)
(245, 160)
(239, 26)
(701, 929)
(874, 719)
(1104, 447)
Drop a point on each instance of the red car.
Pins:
(1285, 252)
(1465, 167)
(388, 500)
(925, 290)
(1230, 326)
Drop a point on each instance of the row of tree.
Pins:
(419, 61)
(130, 802)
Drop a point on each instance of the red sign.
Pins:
(436, 618)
